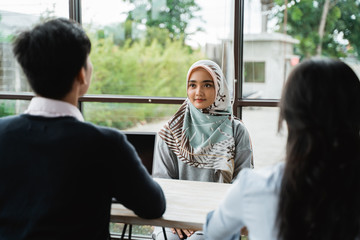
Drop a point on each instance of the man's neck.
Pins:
(71, 98)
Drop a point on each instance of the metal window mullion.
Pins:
(75, 10)
(238, 55)
(141, 99)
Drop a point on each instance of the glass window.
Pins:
(144, 47)
(12, 107)
(141, 232)
(254, 72)
(129, 116)
(254, 79)
(283, 33)
(268, 144)
(17, 15)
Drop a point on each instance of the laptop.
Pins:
(144, 143)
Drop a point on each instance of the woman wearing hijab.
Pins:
(203, 141)
(314, 195)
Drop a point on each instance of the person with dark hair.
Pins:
(58, 174)
(314, 194)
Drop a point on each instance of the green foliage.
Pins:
(5, 38)
(174, 16)
(143, 230)
(303, 24)
(349, 23)
(143, 68)
(149, 62)
(155, 69)
(126, 115)
(157, 34)
(7, 108)
(296, 15)
(154, 66)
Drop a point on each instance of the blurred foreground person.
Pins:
(58, 174)
(314, 195)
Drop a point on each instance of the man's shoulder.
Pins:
(69, 123)
(6, 120)
(10, 118)
(102, 130)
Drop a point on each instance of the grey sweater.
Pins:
(167, 165)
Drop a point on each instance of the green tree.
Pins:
(7, 108)
(173, 15)
(320, 26)
(5, 38)
(140, 68)
(150, 69)
(349, 24)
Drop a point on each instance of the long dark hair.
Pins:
(320, 190)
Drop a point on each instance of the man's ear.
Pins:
(81, 76)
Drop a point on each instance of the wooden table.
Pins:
(187, 204)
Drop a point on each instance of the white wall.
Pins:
(274, 49)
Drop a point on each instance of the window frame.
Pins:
(239, 102)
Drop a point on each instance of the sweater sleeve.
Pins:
(132, 183)
(243, 148)
(226, 221)
(165, 163)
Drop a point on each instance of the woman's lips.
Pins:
(199, 100)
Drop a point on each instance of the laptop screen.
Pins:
(144, 143)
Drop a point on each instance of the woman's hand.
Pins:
(181, 232)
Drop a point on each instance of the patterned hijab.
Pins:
(204, 138)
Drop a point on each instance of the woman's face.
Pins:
(201, 89)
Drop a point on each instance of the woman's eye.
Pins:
(192, 85)
(208, 85)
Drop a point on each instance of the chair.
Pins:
(144, 143)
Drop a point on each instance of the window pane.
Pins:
(130, 116)
(145, 47)
(282, 35)
(138, 231)
(16, 15)
(254, 72)
(12, 107)
(268, 144)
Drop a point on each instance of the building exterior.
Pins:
(11, 77)
(268, 59)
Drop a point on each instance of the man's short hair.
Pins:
(51, 55)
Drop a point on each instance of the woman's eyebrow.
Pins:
(202, 81)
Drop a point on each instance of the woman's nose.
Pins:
(198, 91)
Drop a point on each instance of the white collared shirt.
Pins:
(251, 201)
(45, 107)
